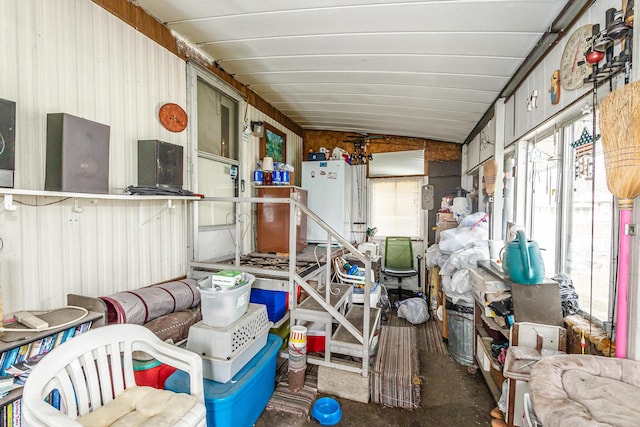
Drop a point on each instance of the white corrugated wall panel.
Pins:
(72, 56)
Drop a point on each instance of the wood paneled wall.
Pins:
(434, 150)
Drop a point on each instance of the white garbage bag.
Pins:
(431, 256)
(415, 310)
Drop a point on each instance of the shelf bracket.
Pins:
(76, 206)
(168, 205)
(8, 203)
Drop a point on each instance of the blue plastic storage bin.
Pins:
(239, 402)
(276, 302)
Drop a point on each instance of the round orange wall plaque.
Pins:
(173, 117)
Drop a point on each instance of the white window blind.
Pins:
(395, 206)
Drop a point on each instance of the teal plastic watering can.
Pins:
(522, 260)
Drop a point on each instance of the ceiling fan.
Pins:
(360, 141)
(361, 138)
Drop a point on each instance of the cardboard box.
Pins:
(227, 278)
(443, 216)
(444, 225)
(447, 224)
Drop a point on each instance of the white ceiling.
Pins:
(426, 69)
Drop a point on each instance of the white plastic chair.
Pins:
(91, 370)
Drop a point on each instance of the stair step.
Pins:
(335, 362)
(342, 342)
(310, 309)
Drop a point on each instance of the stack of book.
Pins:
(18, 361)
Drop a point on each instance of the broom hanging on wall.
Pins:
(620, 128)
(490, 172)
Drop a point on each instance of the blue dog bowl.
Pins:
(327, 411)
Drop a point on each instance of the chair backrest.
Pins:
(92, 369)
(398, 253)
(338, 265)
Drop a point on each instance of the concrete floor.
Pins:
(450, 396)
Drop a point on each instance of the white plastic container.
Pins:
(221, 307)
(374, 296)
(222, 370)
(224, 343)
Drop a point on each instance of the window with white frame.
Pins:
(395, 206)
(544, 194)
(508, 211)
(217, 147)
(590, 227)
(570, 212)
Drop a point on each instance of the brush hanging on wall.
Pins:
(490, 175)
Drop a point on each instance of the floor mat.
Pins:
(428, 334)
(395, 379)
(430, 338)
(285, 400)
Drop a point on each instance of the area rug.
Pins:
(285, 400)
(428, 334)
(395, 377)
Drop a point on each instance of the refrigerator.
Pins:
(328, 184)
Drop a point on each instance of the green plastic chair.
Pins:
(398, 259)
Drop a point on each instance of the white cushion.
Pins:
(584, 390)
(141, 406)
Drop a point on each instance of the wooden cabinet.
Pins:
(273, 220)
(17, 346)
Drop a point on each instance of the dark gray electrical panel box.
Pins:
(159, 164)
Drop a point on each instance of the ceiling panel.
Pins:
(512, 44)
(478, 82)
(305, 100)
(488, 16)
(283, 91)
(339, 108)
(411, 68)
(436, 64)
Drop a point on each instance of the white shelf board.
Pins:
(43, 193)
